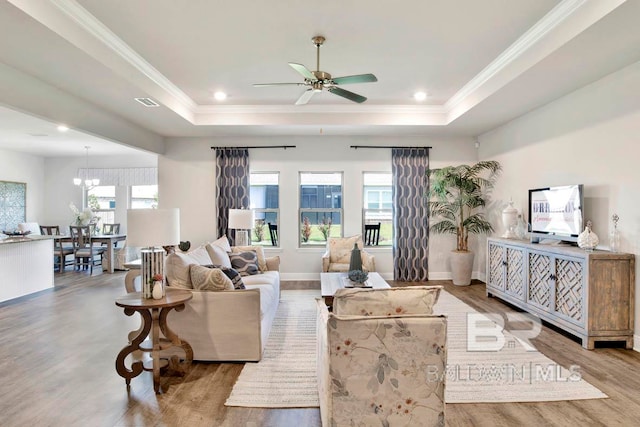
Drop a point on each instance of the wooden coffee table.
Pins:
(331, 282)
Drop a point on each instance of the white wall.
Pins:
(21, 167)
(590, 137)
(187, 181)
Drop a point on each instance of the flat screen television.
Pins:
(556, 212)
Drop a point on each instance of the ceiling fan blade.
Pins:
(359, 78)
(305, 97)
(303, 70)
(277, 84)
(346, 94)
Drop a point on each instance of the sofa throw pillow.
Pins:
(200, 255)
(246, 263)
(259, 250)
(177, 270)
(222, 242)
(386, 302)
(218, 255)
(209, 279)
(232, 274)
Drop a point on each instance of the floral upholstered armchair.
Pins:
(382, 364)
(338, 254)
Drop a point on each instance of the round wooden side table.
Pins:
(154, 319)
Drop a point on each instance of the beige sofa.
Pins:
(226, 325)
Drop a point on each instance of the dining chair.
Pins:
(273, 232)
(60, 252)
(371, 234)
(110, 230)
(84, 253)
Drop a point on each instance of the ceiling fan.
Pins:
(318, 80)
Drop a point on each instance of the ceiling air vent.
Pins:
(147, 102)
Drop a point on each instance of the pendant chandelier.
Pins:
(85, 181)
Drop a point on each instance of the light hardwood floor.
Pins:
(57, 364)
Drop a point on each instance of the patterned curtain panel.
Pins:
(232, 185)
(411, 223)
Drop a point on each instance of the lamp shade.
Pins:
(240, 219)
(153, 227)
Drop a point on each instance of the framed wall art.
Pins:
(13, 204)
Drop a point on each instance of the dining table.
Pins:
(108, 239)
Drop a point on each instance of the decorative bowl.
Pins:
(358, 276)
(16, 233)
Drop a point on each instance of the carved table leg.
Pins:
(136, 367)
(155, 352)
(177, 342)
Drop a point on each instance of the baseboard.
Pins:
(299, 276)
(446, 275)
(316, 276)
(441, 275)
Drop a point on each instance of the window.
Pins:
(144, 196)
(378, 204)
(320, 207)
(265, 203)
(102, 202)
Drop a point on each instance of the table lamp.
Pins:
(150, 229)
(241, 220)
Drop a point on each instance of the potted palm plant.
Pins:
(456, 194)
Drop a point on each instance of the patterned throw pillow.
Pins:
(245, 262)
(209, 279)
(231, 274)
(259, 250)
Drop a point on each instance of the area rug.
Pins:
(286, 376)
(509, 373)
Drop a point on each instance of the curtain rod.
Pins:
(382, 146)
(257, 146)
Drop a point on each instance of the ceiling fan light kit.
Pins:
(318, 80)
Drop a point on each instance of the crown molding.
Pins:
(364, 115)
(320, 109)
(541, 29)
(103, 34)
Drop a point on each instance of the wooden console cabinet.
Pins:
(588, 294)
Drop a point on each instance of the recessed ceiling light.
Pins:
(420, 96)
(63, 128)
(220, 96)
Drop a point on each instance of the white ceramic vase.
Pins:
(509, 220)
(588, 240)
(157, 290)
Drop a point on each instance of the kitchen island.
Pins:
(26, 265)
